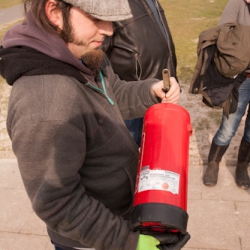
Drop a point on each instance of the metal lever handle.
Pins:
(166, 80)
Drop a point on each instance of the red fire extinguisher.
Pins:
(160, 199)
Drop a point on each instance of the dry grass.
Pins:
(215, 115)
(9, 3)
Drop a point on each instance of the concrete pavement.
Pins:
(11, 14)
(20, 228)
(218, 216)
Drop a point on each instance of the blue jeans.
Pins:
(230, 125)
(135, 129)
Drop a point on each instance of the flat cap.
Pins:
(107, 10)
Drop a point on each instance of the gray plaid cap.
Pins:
(107, 10)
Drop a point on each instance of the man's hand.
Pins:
(172, 96)
(170, 241)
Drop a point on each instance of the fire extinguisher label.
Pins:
(159, 180)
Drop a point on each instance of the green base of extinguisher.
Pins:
(158, 217)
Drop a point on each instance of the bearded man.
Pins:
(76, 157)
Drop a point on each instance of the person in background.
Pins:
(76, 157)
(235, 11)
(140, 48)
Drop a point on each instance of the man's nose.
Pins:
(106, 28)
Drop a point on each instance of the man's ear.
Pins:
(54, 14)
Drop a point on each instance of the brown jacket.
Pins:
(223, 53)
(233, 49)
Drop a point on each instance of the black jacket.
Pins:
(138, 49)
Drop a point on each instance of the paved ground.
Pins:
(218, 217)
(11, 14)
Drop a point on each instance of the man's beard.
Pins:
(93, 59)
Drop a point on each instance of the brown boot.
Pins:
(215, 155)
(241, 175)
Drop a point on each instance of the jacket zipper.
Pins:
(104, 91)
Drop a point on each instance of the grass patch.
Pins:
(202, 124)
(2, 81)
(215, 116)
(187, 19)
(9, 3)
